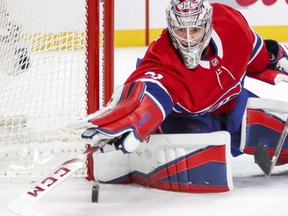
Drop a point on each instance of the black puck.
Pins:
(95, 193)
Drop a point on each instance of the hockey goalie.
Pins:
(183, 111)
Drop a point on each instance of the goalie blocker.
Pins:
(187, 163)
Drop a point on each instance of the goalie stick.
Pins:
(23, 204)
(261, 155)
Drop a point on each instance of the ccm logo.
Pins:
(46, 183)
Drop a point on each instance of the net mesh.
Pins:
(43, 83)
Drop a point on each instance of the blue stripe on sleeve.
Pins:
(162, 97)
(257, 46)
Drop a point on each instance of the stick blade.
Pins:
(23, 204)
(263, 160)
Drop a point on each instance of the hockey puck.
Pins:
(95, 193)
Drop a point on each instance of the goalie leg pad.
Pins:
(197, 163)
(187, 171)
(263, 123)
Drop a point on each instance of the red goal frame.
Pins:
(94, 99)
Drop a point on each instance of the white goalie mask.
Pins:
(190, 28)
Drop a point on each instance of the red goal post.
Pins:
(56, 66)
(100, 26)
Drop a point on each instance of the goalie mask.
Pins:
(190, 28)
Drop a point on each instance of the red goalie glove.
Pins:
(277, 69)
(135, 111)
(130, 116)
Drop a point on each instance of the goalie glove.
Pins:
(277, 68)
(131, 115)
(278, 56)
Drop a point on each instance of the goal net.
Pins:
(49, 77)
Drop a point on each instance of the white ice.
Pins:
(254, 194)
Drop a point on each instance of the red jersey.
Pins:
(214, 84)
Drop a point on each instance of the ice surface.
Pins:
(254, 194)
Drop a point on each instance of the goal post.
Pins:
(100, 26)
(108, 49)
(56, 66)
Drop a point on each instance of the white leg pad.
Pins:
(177, 162)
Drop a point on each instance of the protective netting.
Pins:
(43, 83)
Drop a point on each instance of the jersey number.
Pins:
(153, 75)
